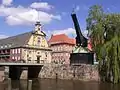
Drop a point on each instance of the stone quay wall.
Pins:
(82, 72)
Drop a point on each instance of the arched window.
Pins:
(45, 54)
(38, 42)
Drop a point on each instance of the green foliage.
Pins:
(104, 32)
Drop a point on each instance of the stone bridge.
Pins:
(15, 69)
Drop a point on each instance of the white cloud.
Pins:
(3, 36)
(6, 11)
(7, 2)
(68, 31)
(41, 5)
(58, 17)
(85, 32)
(11, 20)
(30, 17)
(24, 16)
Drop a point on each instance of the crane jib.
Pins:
(80, 39)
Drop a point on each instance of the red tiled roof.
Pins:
(61, 38)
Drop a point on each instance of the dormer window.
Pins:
(9, 45)
(5, 46)
(1, 46)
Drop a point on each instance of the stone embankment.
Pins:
(53, 71)
(81, 72)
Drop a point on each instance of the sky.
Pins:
(19, 16)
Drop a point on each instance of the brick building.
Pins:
(61, 46)
(29, 47)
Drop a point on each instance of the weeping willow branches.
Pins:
(104, 32)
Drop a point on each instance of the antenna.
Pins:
(38, 13)
(38, 19)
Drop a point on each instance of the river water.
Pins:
(49, 84)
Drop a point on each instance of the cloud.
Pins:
(31, 17)
(3, 36)
(6, 11)
(68, 31)
(7, 2)
(25, 16)
(85, 32)
(41, 5)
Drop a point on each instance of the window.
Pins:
(29, 58)
(55, 48)
(66, 54)
(13, 58)
(16, 58)
(13, 51)
(18, 50)
(1, 46)
(38, 40)
(5, 46)
(29, 52)
(9, 45)
(46, 54)
(58, 48)
(19, 58)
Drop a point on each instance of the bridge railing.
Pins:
(22, 62)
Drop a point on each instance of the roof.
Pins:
(16, 41)
(60, 39)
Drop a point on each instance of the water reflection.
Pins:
(15, 84)
(36, 84)
(23, 85)
(49, 84)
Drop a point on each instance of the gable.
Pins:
(38, 40)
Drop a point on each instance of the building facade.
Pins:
(30, 47)
(61, 46)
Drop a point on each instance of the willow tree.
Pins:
(95, 27)
(104, 32)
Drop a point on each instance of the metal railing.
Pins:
(23, 61)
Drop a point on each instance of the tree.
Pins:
(95, 27)
(105, 37)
